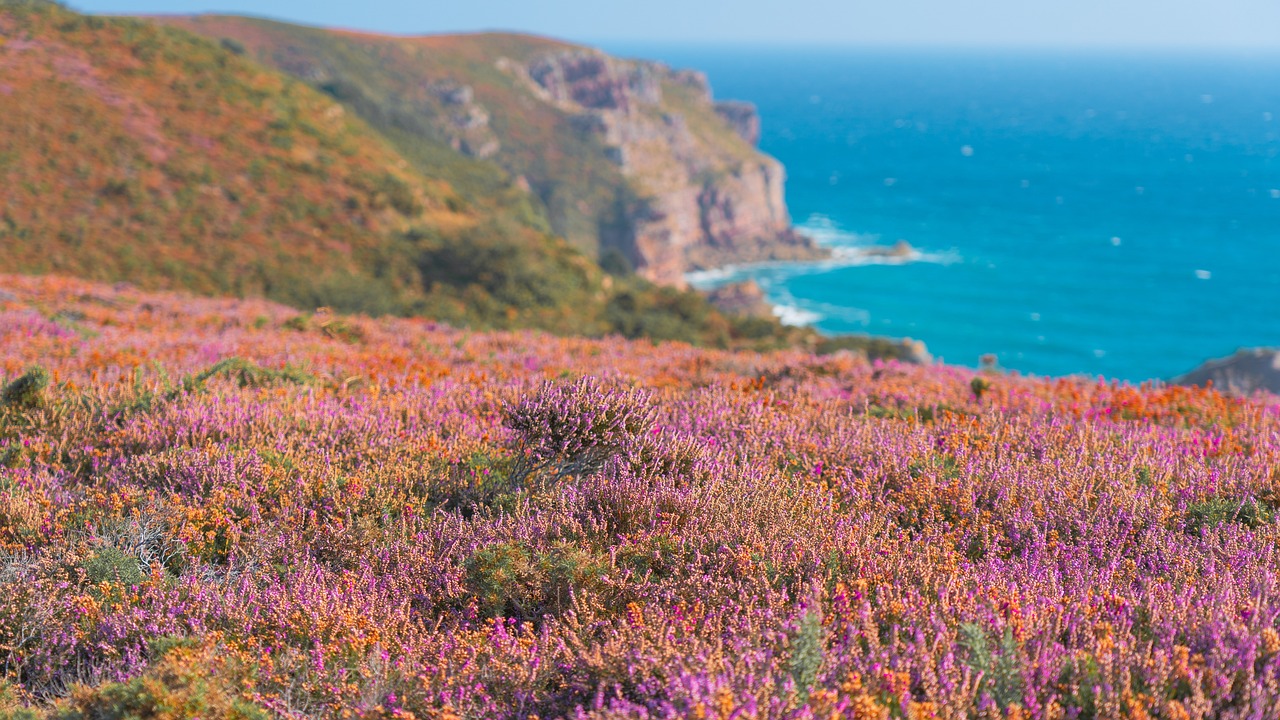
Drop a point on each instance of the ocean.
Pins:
(1095, 213)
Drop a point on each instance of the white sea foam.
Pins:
(795, 316)
(848, 249)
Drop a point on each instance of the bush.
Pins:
(806, 653)
(27, 391)
(112, 565)
(248, 374)
(575, 428)
(1219, 511)
(514, 580)
(185, 682)
(999, 667)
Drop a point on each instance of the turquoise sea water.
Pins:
(1105, 214)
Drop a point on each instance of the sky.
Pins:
(1191, 24)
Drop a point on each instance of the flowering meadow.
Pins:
(230, 509)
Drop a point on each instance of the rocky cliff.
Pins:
(703, 195)
(621, 157)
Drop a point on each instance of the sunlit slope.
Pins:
(140, 153)
(134, 152)
(403, 86)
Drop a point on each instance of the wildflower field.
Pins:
(227, 509)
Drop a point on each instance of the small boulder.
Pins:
(744, 298)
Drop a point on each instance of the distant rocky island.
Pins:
(1244, 373)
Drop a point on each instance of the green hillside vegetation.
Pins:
(134, 152)
(392, 82)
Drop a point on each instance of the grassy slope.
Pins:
(387, 79)
(135, 152)
(130, 151)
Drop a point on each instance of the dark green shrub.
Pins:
(979, 387)
(232, 46)
(513, 580)
(112, 565)
(27, 391)
(1214, 512)
(248, 374)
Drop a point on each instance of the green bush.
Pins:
(806, 653)
(185, 682)
(514, 580)
(248, 374)
(1214, 512)
(998, 664)
(27, 391)
(112, 565)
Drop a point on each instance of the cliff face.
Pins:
(703, 195)
(618, 156)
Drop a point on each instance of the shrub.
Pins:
(1001, 676)
(516, 581)
(1218, 511)
(248, 374)
(184, 682)
(232, 46)
(27, 391)
(575, 428)
(112, 565)
(979, 387)
(806, 653)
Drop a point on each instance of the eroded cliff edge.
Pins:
(702, 194)
(624, 158)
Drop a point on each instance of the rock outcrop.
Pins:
(703, 197)
(466, 122)
(1245, 372)
(742, 117)
(744, 299)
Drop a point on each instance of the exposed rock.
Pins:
(873, 347)
(697, 205)
(898, 250)
(1243, 373)
(744, 298)
(465, 122)
(694, 80)
(742, 118)
(593, 80)
(451, 94)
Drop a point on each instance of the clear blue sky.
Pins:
(1242, 24)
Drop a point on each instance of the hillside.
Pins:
(224, 509)
(627, 159)
(134, 152)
